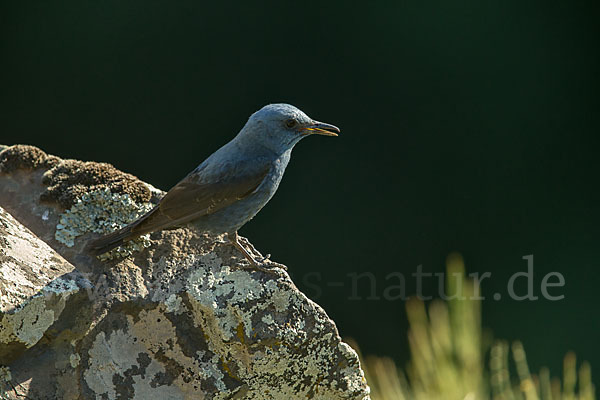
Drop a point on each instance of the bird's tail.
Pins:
(110, 241)
(125, 234)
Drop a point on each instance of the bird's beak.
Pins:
(320, 128)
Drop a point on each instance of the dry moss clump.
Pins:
(71, 179)
(21, 156)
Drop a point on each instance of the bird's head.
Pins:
(280, 126)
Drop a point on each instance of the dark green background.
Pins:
(466, 125)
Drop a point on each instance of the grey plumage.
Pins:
(232, 185)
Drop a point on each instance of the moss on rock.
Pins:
(22, 156)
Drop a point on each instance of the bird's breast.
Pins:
(234, 216)
(273, 178)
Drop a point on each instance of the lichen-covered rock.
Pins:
(35, 285)
(102, 211)
(178, 319)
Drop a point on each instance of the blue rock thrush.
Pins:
(231, 186)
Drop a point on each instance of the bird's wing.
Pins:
(192, 198)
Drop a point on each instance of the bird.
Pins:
(230, 186)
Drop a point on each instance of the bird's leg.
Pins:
(235, 240)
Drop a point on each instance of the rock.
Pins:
(172, 316)
(35, 288)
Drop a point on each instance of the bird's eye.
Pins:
(290, 123)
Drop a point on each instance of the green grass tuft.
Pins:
(452, 359)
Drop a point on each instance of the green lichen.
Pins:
(102, 211)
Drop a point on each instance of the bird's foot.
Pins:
(263, 267)
(263, 264)
(250, 246)
(266, 260)
(220, 240)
